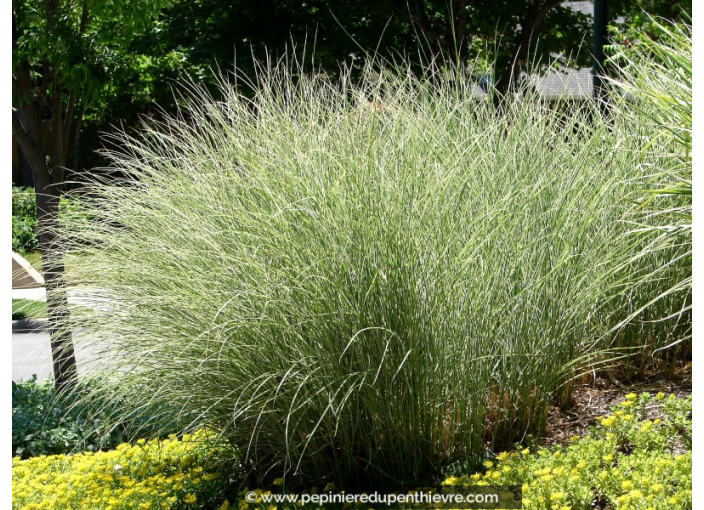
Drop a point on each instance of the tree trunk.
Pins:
(509, 70)
(26, 126)
(62, 352)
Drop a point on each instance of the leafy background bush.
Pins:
(24, 220)
(25, 233)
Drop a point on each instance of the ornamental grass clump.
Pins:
(362, 280)
(655, 70)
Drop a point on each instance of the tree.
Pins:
(505, 35)
(63, 52)
(508, 36)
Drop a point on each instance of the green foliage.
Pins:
(629, 460)
(24, 220)
(41, 425)
(25, 230)
(82, 41)
(23, 308)
(359, 283)
(44, 424)
(35, 259)
(642, 18)
(171, 473)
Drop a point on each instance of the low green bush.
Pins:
(44, 424)
(171, 473)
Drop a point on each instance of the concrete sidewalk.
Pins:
(31, 349)
(35, 294)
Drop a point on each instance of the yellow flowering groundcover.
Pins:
(170, 473)
(627, 462)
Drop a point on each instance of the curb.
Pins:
(27, 325)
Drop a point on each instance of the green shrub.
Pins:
(43, 424)
(359, 283)
(171, 473)
(24, 220)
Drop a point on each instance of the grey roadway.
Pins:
(31, 350)
(31, 354)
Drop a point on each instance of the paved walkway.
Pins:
(31, 354)
(31, 349)
(36, 293)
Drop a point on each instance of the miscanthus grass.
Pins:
(361, 281)
(656, 71)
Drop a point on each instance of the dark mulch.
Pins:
(593, 399)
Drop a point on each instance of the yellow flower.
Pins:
(660, 395)
(626, 485)
(190, 498)
(525, 451)
(608, 458)
(488, 464)
(608, 421)
(631, 396)
(330, 486)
